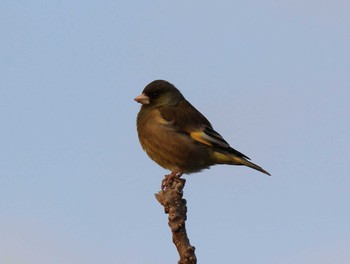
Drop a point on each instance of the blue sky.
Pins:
(271, 76)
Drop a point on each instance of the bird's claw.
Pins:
(167, 181)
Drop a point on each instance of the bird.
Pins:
(178, 137)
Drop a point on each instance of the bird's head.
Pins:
(159, 93)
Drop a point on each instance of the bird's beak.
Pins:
(142, 99)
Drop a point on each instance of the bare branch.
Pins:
(171, 199)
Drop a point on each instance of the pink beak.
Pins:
(142, 99)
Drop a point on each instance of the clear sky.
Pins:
(271, 76)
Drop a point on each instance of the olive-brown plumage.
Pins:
(177, 136)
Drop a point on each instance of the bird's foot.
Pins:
(167, 181)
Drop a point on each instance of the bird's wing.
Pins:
(185, 118)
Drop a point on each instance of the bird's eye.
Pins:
(154, 95)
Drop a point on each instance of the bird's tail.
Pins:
(249, 164)
(235, 160)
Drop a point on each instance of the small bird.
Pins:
(177, 136)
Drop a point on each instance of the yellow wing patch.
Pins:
(200, 137)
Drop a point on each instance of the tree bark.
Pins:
(171, 199)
